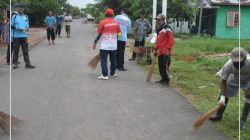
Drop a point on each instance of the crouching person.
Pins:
(238, 68)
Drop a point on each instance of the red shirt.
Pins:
(109, 29)
(164, 41)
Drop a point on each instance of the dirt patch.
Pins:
(189, 58)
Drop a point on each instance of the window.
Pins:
(233, 18)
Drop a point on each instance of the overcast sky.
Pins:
(80, 3)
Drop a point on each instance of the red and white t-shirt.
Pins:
(109, 30)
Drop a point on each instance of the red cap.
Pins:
(109, 11)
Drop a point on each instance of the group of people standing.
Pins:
(54, 25)
(19, 33)
(113, 33)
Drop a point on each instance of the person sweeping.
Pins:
(238, 68)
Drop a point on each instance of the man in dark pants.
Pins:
(20, 27)
(163, 47)
(235, 74)
(108, 30)
(50, 22)
(9, 41)
(59, 20)
(125, 25)
(141, 30)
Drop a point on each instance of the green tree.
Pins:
(75, 11)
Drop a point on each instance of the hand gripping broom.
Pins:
(205, 116)
(94, 61)
(5, 122)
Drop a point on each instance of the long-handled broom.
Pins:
(5, 122)
(94, 61)
(205, 116)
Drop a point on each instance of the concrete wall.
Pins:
(222, 31)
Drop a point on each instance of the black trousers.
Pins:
(58, 30)
(50, 33)
(138, 44)
(163, 61)
(10, 51)
(17, 42)
(120, 54)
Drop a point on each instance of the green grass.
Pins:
(193, 71)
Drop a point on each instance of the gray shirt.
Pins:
(141, 29)
(231, 74)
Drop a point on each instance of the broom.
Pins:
(5, 122)
(205, 116)
(94, 61)
(151, 69)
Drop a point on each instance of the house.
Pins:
(221, 18)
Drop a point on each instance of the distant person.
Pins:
(125, 25)
(67, 20)
(163, 47)
(234, 74)
(1, 29)
(141, 29)
(59, 20)
(20, 27)
(10, 49)
(108, 30)
(4, 24)
(50, 22)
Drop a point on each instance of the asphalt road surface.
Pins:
(62, 99)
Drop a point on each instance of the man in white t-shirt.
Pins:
(67, 20)
(234, 74)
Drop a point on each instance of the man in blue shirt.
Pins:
(125, 25)
(20, 27)
(50, 22)
(59, 20)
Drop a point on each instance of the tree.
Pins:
(75, 11)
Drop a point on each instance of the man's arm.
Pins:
(223, 85)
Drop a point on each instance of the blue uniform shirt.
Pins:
(125, 25)
(20, 22)
(59, 19)
(50, 20)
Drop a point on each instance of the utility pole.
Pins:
(200, 18)
(164, 7)
(154, 15)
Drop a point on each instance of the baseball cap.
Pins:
(20, 5)
(238, 54)
(109, 11)
(160, 16)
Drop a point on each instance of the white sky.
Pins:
(80, 3)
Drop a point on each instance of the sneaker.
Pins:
(30, 66)
(159, 81)
(15, 66)
(165, 83)
(114, 75)
(121, 69)
(131, 59)
(103, 77)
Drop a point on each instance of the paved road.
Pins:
(62, 99)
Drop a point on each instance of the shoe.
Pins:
(216, 118)
(131, 59)
(15, 66)
(165, 83)
(219, 115)
(114, 75)
(103, 77)
(121, 69)
(159, 81)
(30, 66)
